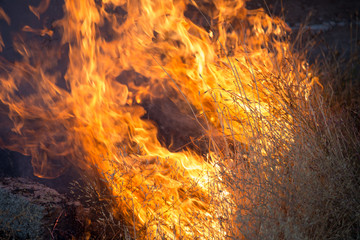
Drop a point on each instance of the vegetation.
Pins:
(299, 179)
(307, 187)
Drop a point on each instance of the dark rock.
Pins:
(29, 210)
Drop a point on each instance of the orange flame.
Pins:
(43, 6)
(7, 19)
(228, 62)
(4, 16)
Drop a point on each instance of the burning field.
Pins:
(199, 119)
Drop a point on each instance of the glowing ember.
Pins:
(229, 63)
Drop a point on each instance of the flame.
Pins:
(229, 64)
(43, 6)
(4, 16)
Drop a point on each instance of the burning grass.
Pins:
(280, 161)
(299, 179)
(310, 189)
(302, 186)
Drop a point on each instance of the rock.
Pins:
(29, 210)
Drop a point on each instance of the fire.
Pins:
(226, 63)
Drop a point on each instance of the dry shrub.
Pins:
(305, 185)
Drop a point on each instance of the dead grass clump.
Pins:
(102, 223)
(306, 185)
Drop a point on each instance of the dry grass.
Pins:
(310, 191)
(307, 187)
(101, 222)
(302, 186)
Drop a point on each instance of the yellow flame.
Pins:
(229, 65)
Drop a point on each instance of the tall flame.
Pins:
(225, 61)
